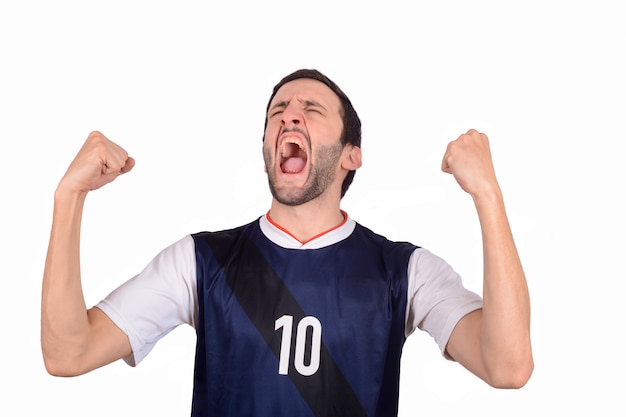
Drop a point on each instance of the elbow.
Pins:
(59, 368)
(512, 377)
(54, 368)
(60, 365)
(62, 369)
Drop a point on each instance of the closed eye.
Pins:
(278, 108)
(308, 106)
(313, 106)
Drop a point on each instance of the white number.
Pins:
(286, 323)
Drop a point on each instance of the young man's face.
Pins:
(301, 147)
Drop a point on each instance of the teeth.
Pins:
(295, 141)
(292, 140)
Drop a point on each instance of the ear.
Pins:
(351, 158)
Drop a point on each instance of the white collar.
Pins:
(285, 240)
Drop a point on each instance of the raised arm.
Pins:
(75, 340)
(493, 343)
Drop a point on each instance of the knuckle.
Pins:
(99, 145)
(95, 135)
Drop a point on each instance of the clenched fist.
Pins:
(98, 162)
(468, 159)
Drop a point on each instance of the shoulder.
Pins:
(223, 238)
(226, 233)
(364, 234)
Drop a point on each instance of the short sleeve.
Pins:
(436, 298)
(163, 296)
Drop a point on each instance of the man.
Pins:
(303, 311)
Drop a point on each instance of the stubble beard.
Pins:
(321, 176)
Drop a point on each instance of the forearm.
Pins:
(64, 321)
(505, 331)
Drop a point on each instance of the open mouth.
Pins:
(293, 157)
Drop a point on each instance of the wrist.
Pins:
(487, 195)
(66, 195)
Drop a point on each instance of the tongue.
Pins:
(293, 165)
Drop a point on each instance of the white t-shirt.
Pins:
(163, 296)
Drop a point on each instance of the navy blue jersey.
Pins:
(287, 332)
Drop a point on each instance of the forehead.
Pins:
(308, 89)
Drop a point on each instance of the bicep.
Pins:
(464, 344)
(107, 342)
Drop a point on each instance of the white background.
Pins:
(183, 87)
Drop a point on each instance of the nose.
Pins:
(291, 116)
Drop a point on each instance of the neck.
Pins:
(306, 221)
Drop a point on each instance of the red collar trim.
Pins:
(345, 220)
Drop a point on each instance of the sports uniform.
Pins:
(292, 329)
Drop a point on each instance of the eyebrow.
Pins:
(311, 103)
(306, 103)
(279, 104)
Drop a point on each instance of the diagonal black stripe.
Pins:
(264, 298)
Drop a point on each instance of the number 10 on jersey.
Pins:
(314, 344)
